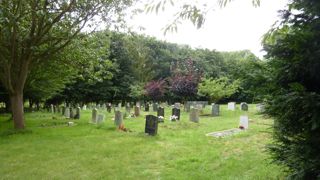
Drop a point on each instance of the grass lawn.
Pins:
(50, 150)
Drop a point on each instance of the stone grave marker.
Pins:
(194, 115)
(136, 111)
(260, 107)
(151, 127)
(176, 112)
(155, 107)
(67, 112)
(215, 111)
(232, 106)
(160, 113)
(71, 112)
(244, 106)
(100, 119)
(177, 105)
(244, 122)
(128, 108)
(63, 110)
(146, 107)
(77, 115)
(52, 108)
(109, 106)
(94, 115)
(84, 107)
(118, 118)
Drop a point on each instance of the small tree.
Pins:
(219, 88)
(155, 89)
(136, 91)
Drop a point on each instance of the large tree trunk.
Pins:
(16, 101)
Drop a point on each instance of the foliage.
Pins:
(155, 89)
(293, 52)
(136, 91)
(219, 88)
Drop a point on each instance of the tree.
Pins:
(155, 89)
(293, 53)
(219, 88)
(33, 31)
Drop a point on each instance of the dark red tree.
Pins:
(155, 89)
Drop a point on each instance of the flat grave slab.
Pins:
(224, 133)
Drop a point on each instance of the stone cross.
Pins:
(151, 127)
(94, 115)
(194, 115)
(215, 111)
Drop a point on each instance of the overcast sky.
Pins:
(238, 26)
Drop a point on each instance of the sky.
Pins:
(237, 26)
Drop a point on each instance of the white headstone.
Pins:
(232, 106)
(84, 107)
(100, 118)
(244, 122)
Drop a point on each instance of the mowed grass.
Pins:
(50, 150)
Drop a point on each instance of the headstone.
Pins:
(244, 106)
(244, 122)
(176, 112)
(260, 107)
(84, 107)
(200, 108)
(160, 114)
(128, 108)
(177, 105)
(194, 115)
(63, 110)
(98, 106)
(109, 107)
(77, 115)
(232, 106)
(100, 118)
(151, 127)
(155, 107)
(103, 106)
(136, 111)
(67, 112)
(118, 118)
(71, 112)
(146, 107)
(52, 108)
(215, 111)
(94, 115)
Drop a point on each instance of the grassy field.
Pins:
(50, 150)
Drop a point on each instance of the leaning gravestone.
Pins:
(160, 113)
(215, 109)
(232, 106)
(244, 106)
(244, 122)
(94, 115)
(155, 107)
(151, 125)
(118, 118)
(77, 115)
(194, 115)
(176, 112)
(100, 118)
(136, 111)
(67, 113)
(71, 113)
(146, 107)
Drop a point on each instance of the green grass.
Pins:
(50, 150)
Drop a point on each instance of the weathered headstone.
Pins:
(176, 112)
(136, 111)
(100, 119)
(77, 115)
(71, 112)
(200, 108)
(52, 108)
(109, 107)
(84, 107)
(67, 112)
(151, 127)
(244, 122)
(244, 106)
(194, 115)
(232, 106)
(155, 107)
(146, 107)
(63, 110)
(177, 105)
(128, 108)
(160, 114)
(94, 115)
(215, 111)
(260, 107)
(118, 118)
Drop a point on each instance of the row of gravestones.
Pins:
(69, 112)
(243, 106)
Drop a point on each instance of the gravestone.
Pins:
(194, 115)
(103, 106)
(160, 112)
(177, 105)
(151, 127)
(71, 112)
(244, 122)
(100, 119)
(244, 106)
(52, 108)
(176, 112)
(94, 115)
(146, 107)
(215, 111)
(118, 118)
(136, 111)
(260, 107)
(98, 106)
(155, 107)
(128, 108)
(63, 110)
(67, 112)
(109, 106)
(77, 115)
(84, 107)
(232, 106)
(200, 108)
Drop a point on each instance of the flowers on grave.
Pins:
(173, 118)
(160, 117)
